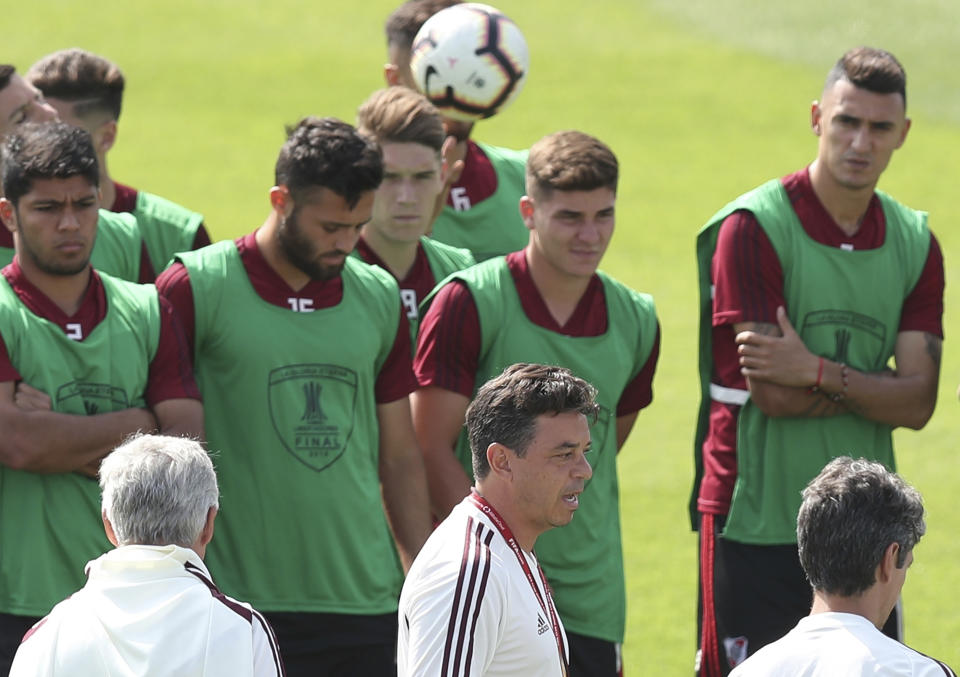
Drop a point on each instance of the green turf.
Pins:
(700, 100)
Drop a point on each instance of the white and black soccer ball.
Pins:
(470, 61)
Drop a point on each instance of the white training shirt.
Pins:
(467, 607)
(831, 644)
(149, 610)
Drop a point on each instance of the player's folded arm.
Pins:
(49, 442)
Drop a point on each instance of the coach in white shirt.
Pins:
(150, 606)
(856, 530)
(475, 601)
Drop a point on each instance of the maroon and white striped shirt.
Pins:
(468, 607)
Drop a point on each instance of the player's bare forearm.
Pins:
(448, 482)
(780, 373)
(404, 487)
(438, 417)
(403, 480)
(181, 417)
(905, 396)
(779, 370)
(777, 400)
(44, 441)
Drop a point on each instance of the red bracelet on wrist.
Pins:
(816, 386)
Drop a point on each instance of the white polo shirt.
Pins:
(831, 644)
(468, 608)
(149, 610)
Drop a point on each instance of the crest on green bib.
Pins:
(312, 410)
(90, 398)
(847, 337)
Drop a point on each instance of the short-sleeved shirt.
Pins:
(482, 212)
(126, 199)
(171, 370)
(748, 286)
(448, 347)
(395, 379)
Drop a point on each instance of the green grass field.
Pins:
(701, 101)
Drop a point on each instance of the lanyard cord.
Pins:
(546, 604)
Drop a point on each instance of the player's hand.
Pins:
(28, 398)
(783, 360)
(453, 152)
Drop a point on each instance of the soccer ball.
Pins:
(470, 61)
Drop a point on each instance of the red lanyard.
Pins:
(547, 605)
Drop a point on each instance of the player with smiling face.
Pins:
(548, 303)
(569, 233)
(409, 130)
(809, 285)
(304, 355)
(485, 182)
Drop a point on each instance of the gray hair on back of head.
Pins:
(157, 490)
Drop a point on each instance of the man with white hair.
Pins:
(150, 606)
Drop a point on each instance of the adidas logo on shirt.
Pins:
(542, 626)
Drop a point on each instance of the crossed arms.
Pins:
(780, 371)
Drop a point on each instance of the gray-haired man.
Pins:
(149, 606)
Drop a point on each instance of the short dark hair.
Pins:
(851, 513)
(6, 72)
(48, 150)
(91, 82)
(506, 408)
(401, 115)
(570, 160)
(329, 153)
(875, 70)
(405, 22)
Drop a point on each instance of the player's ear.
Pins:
(281, 200)
(816, 115)
(391, 74)
(206, 534)
(888, 562)
(108, 528)
(906, 128)
(498, 458)
(527, 208)
(106, 136)
(8, 215)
